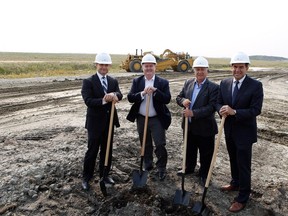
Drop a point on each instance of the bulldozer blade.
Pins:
(139, 178)
(181, 197)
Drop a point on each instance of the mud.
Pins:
(43, 142)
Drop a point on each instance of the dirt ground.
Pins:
(43, 142)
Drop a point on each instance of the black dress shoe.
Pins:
(162, 176)
(85, 185)
(187, 172)
(108, 181)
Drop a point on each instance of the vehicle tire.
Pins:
(135, 65)
(183, 66)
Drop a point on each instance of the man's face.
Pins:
(149, 70)
(239, 70)
(102, 68)
(200, 73)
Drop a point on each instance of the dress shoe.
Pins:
(187, 172)
(162, 176)
(85, 185)
(229, 188)
(236, 207)
(108, 181)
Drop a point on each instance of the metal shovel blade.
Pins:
(201, 209)
(182, 197)
(139, 178)
(103, 187)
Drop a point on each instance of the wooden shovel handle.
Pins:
(145, 125)
(215, 152)
(185, 145)
(109, 133)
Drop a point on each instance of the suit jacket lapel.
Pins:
(98, 84)
(241, 90)
(230, 90)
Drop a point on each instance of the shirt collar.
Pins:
(100, 76)
(240, 81)
(199, 85)
(153, 78)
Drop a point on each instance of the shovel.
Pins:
(182, 197)
(140, 176)
(200, 207)
(105, 171)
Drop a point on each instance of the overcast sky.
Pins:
(205, 27)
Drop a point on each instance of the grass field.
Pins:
(22, 65)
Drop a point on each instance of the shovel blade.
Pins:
(182, 197)
(201, 209)
(103, 187)
(139, 178)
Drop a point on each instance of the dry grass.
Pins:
(22, 65)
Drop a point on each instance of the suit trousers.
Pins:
(206, 149)
(240, 163)
(156, 133)
(96, 142)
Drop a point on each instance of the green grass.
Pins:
(22, 65)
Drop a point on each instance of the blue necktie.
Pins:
(235, 92)
(104, 84)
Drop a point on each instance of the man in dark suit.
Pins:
(159, 115)
(98, 92)
(240, 100)
(199, 96)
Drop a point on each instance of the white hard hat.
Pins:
(148, 58)
(103, 58)
(240, 57)
(200, 62)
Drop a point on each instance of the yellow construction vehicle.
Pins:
(168, 60)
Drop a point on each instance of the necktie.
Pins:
(235, 92)
(104, 84)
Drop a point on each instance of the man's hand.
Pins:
(186, 103)
(187, 112)
(226, 110)
(111, 97)
(149, 90)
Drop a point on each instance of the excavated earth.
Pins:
(43, 142)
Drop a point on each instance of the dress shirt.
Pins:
(142, 109)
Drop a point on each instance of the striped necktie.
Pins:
(104, 84)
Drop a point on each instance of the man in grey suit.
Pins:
(199, 96)
(240, 101)
(98, 92)
(159, 115)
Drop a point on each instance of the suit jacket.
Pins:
(248, 105)
(160, 98)
(203, 122)
(98, 115)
